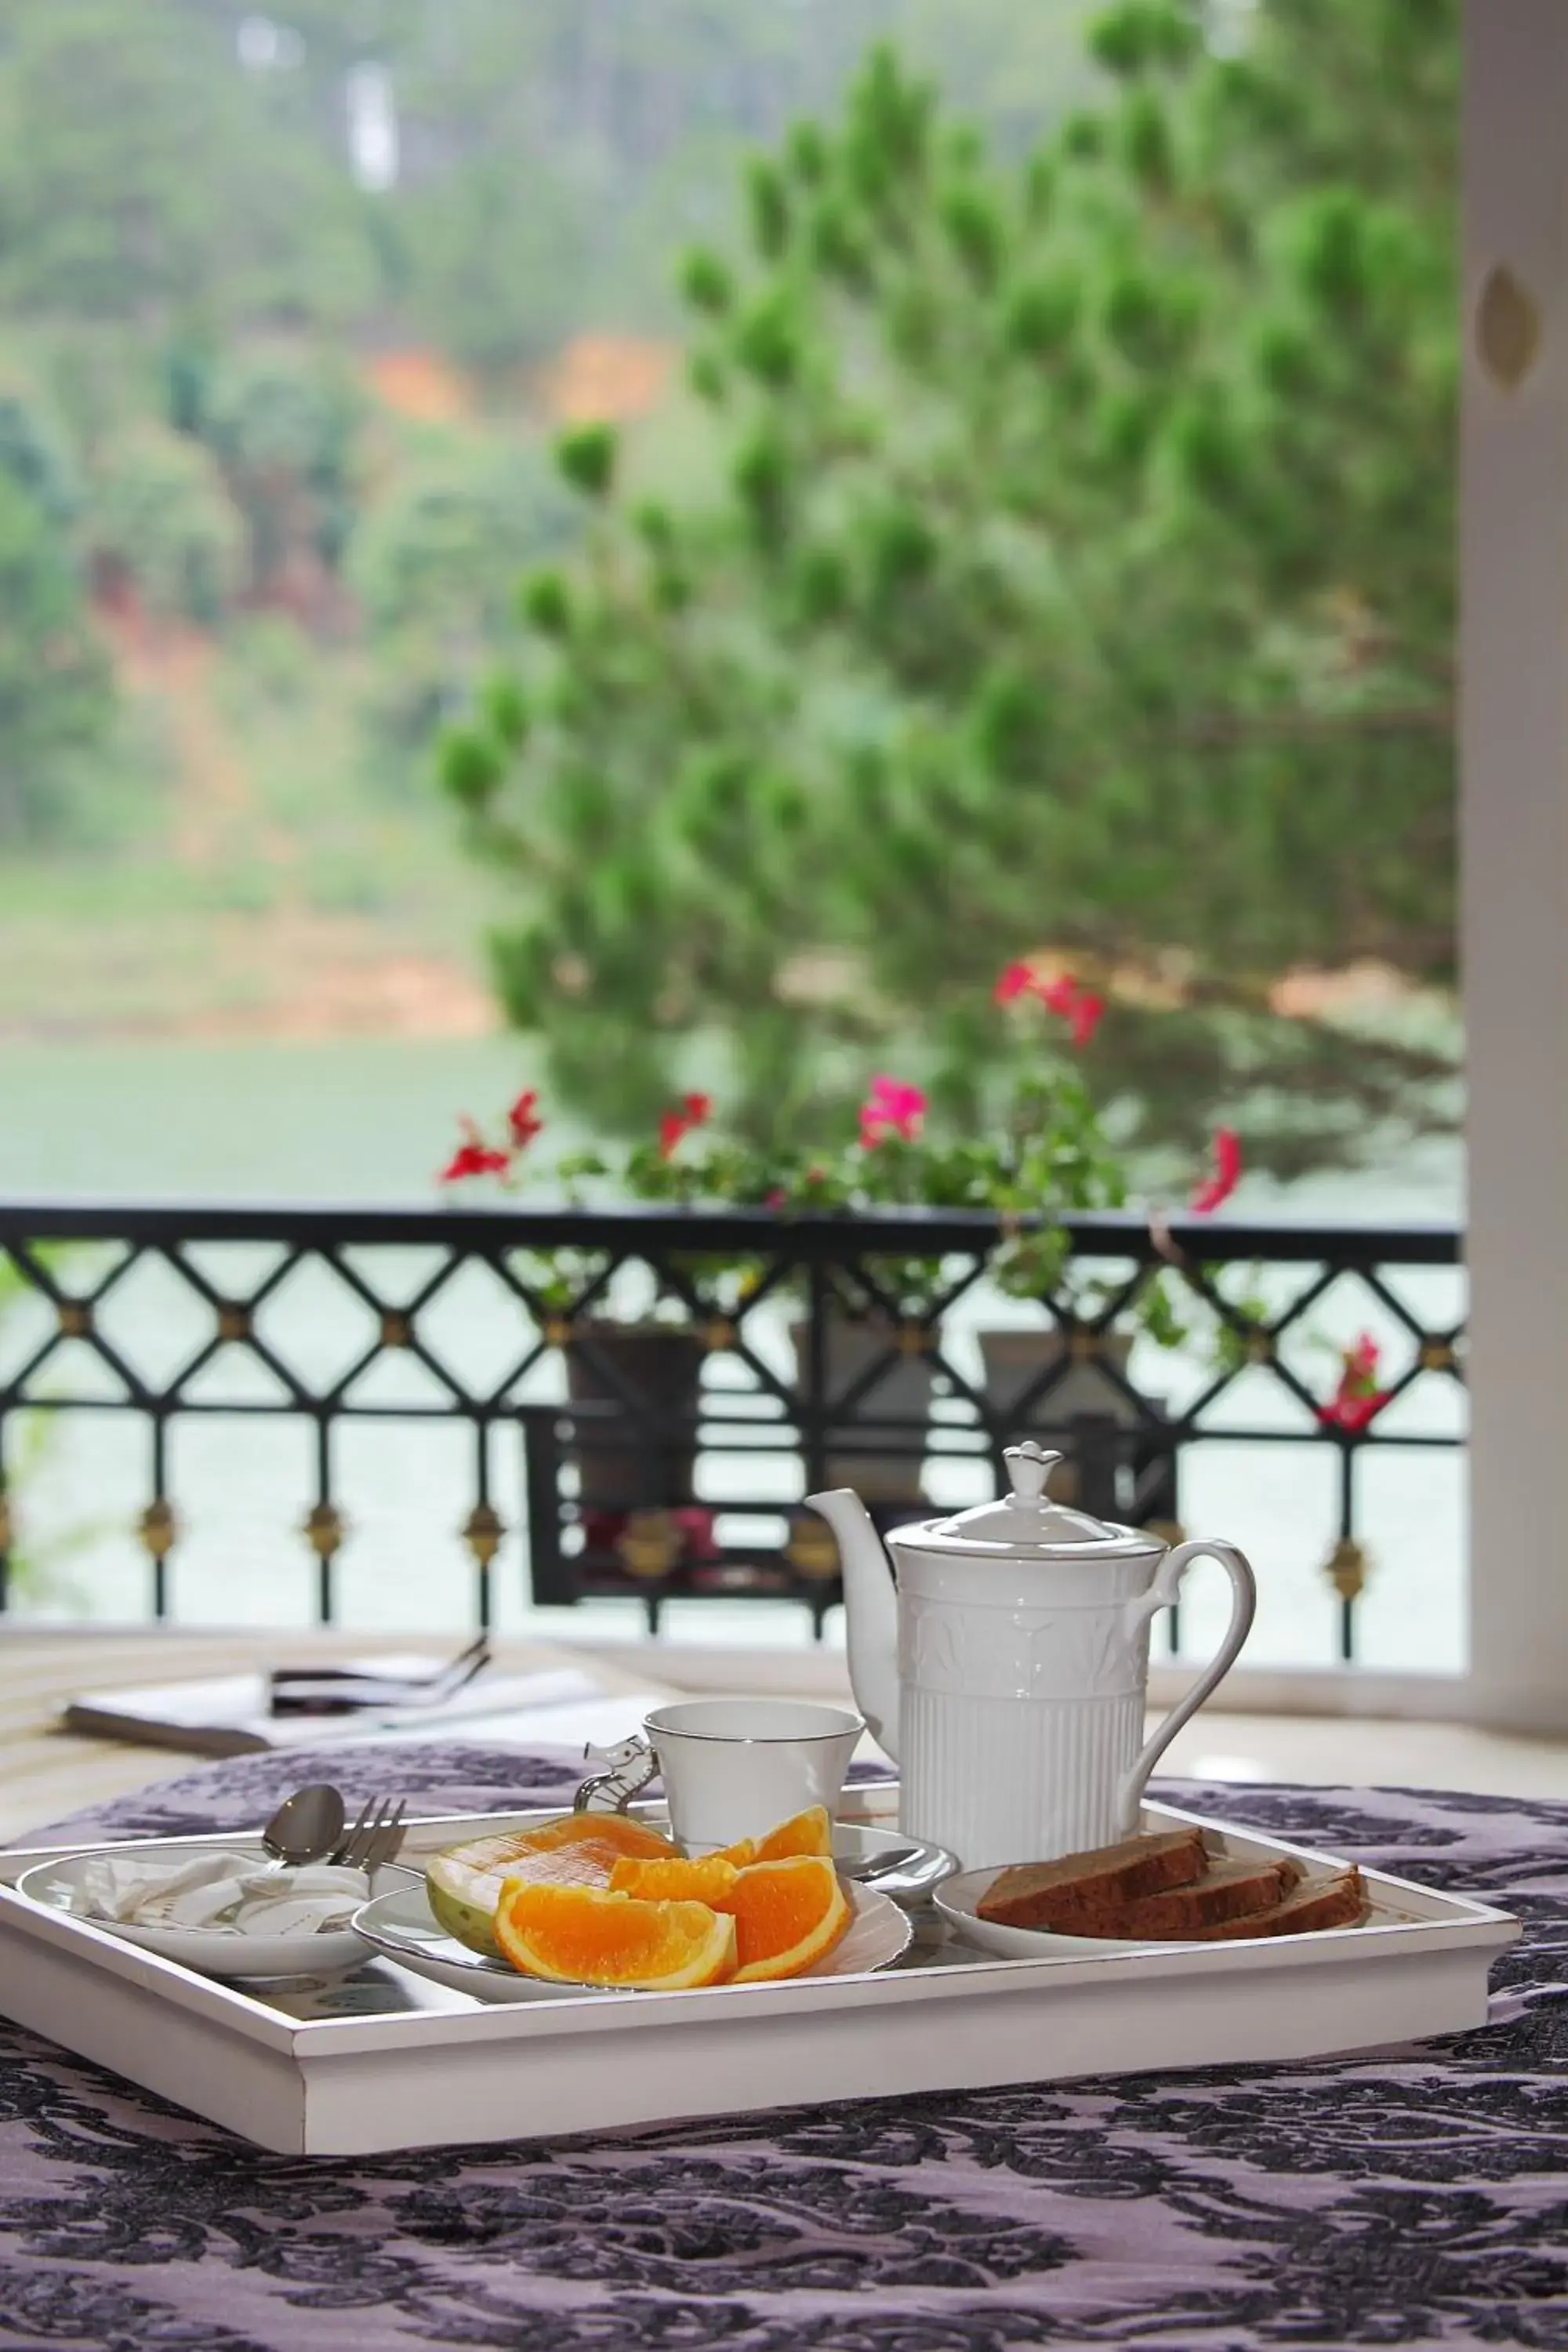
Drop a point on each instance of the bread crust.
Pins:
(1059, 1893)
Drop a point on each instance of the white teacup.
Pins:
(733, 1767)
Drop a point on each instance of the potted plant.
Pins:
(635, 1484)
(1048, 1155)
(880, 1333)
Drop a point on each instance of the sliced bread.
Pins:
(1052, 1894)
(1315, 1903)
(1227, 1891)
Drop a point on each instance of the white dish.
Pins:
(958, 1899)
(222, 1952)
(401, 1926)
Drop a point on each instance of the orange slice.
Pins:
(708, 1879)
(464, 1883)
(788, 1916)
(616, 1830)
(808, 1832)
(586, 1935)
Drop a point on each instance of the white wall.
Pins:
(1514, 809)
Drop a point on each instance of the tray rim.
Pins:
(1430, 1920)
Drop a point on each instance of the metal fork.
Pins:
(375, 1834)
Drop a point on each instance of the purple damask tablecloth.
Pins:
(1414, 2196)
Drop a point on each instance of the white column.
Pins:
(1514, 835)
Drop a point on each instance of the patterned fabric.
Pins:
(1411, 2197)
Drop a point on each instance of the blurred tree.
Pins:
(1074, 566)
(433, 570)
(143, 171)
(284, 429)
(33, 458)
(54, 698)
(161, 522)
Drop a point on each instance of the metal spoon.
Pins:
(866, 1867)
(306, 1826)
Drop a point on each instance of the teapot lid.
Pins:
(1026, 1519)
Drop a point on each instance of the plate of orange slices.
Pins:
(598, 1904)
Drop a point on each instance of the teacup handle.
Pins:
(629, 1766)
(1160, 1594)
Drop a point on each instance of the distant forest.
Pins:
(285, 298)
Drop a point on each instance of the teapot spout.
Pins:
(871, 1611)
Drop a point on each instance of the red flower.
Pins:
(523, 1122)
(1357, 1400)
(890, 1108)
(775, 1199)
(474, 1156)
(1354, 1413)
(1219, 1187)
(1085, 1017)
(1079, 1007)
(693, 1111)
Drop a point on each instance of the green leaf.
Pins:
(505, 708)
(1083, 136)
(1332, 252)
(1146, 142)
(545, 603)
(586, 457)
(761, 475)
(835, 245)
(1041, 313)
(470, 767)
(821, 581)
(706, 283)
(767, 341)
(807, 150)
(770, 208)
(705, 373)
(973, 226)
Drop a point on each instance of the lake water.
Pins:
(370, 1121)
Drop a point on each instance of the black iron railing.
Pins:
(676, 1380)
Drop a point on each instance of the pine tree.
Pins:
(1073, 566)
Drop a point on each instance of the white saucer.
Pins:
(401, 1926)
(210, 1951)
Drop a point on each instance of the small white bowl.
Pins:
(210, 1951)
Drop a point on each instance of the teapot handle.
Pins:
(1160, 1594)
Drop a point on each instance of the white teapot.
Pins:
(1007, 1673)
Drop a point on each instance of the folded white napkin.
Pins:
(230, 1891)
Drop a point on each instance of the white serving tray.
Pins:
(385, 2059)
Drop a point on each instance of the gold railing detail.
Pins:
(649, 1544)
(1346, 1568)
(325, 1530)
(483, 1532)
(157, 1527)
